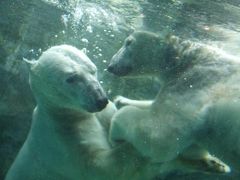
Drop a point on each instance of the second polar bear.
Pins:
(197, 104)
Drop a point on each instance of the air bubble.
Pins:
(109, 91)
(89, 29)
(84, 40)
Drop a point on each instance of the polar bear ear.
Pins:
(84, 50)
(30, 63)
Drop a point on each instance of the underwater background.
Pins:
(29, 27)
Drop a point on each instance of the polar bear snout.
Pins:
(98, 105)
(119, 71)
(121, 63)
(101, 103)
(98, 97)
(101, 99)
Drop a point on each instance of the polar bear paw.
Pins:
(206, 163)
(120, 101)
(216, 165)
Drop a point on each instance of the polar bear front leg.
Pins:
(120, 101)
(105, 116)
(133, 125)
(126, 125)
(136, 126)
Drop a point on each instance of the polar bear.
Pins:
(198, 102)
(66, 140)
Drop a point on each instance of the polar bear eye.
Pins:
(129, 41)
(72, 79)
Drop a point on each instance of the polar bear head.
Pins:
(65, 77)
(138, 56)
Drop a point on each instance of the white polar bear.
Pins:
(197, 104)
(66, 140)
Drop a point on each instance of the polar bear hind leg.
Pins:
(198, 159)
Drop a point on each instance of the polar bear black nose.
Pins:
(120, 70)
(101, 103)
(110, 69)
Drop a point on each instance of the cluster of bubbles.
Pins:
(98, 27)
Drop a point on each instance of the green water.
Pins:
(28, 27)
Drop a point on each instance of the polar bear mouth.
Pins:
(99, 105)
(119, 71)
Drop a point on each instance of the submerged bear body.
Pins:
(198, 102)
